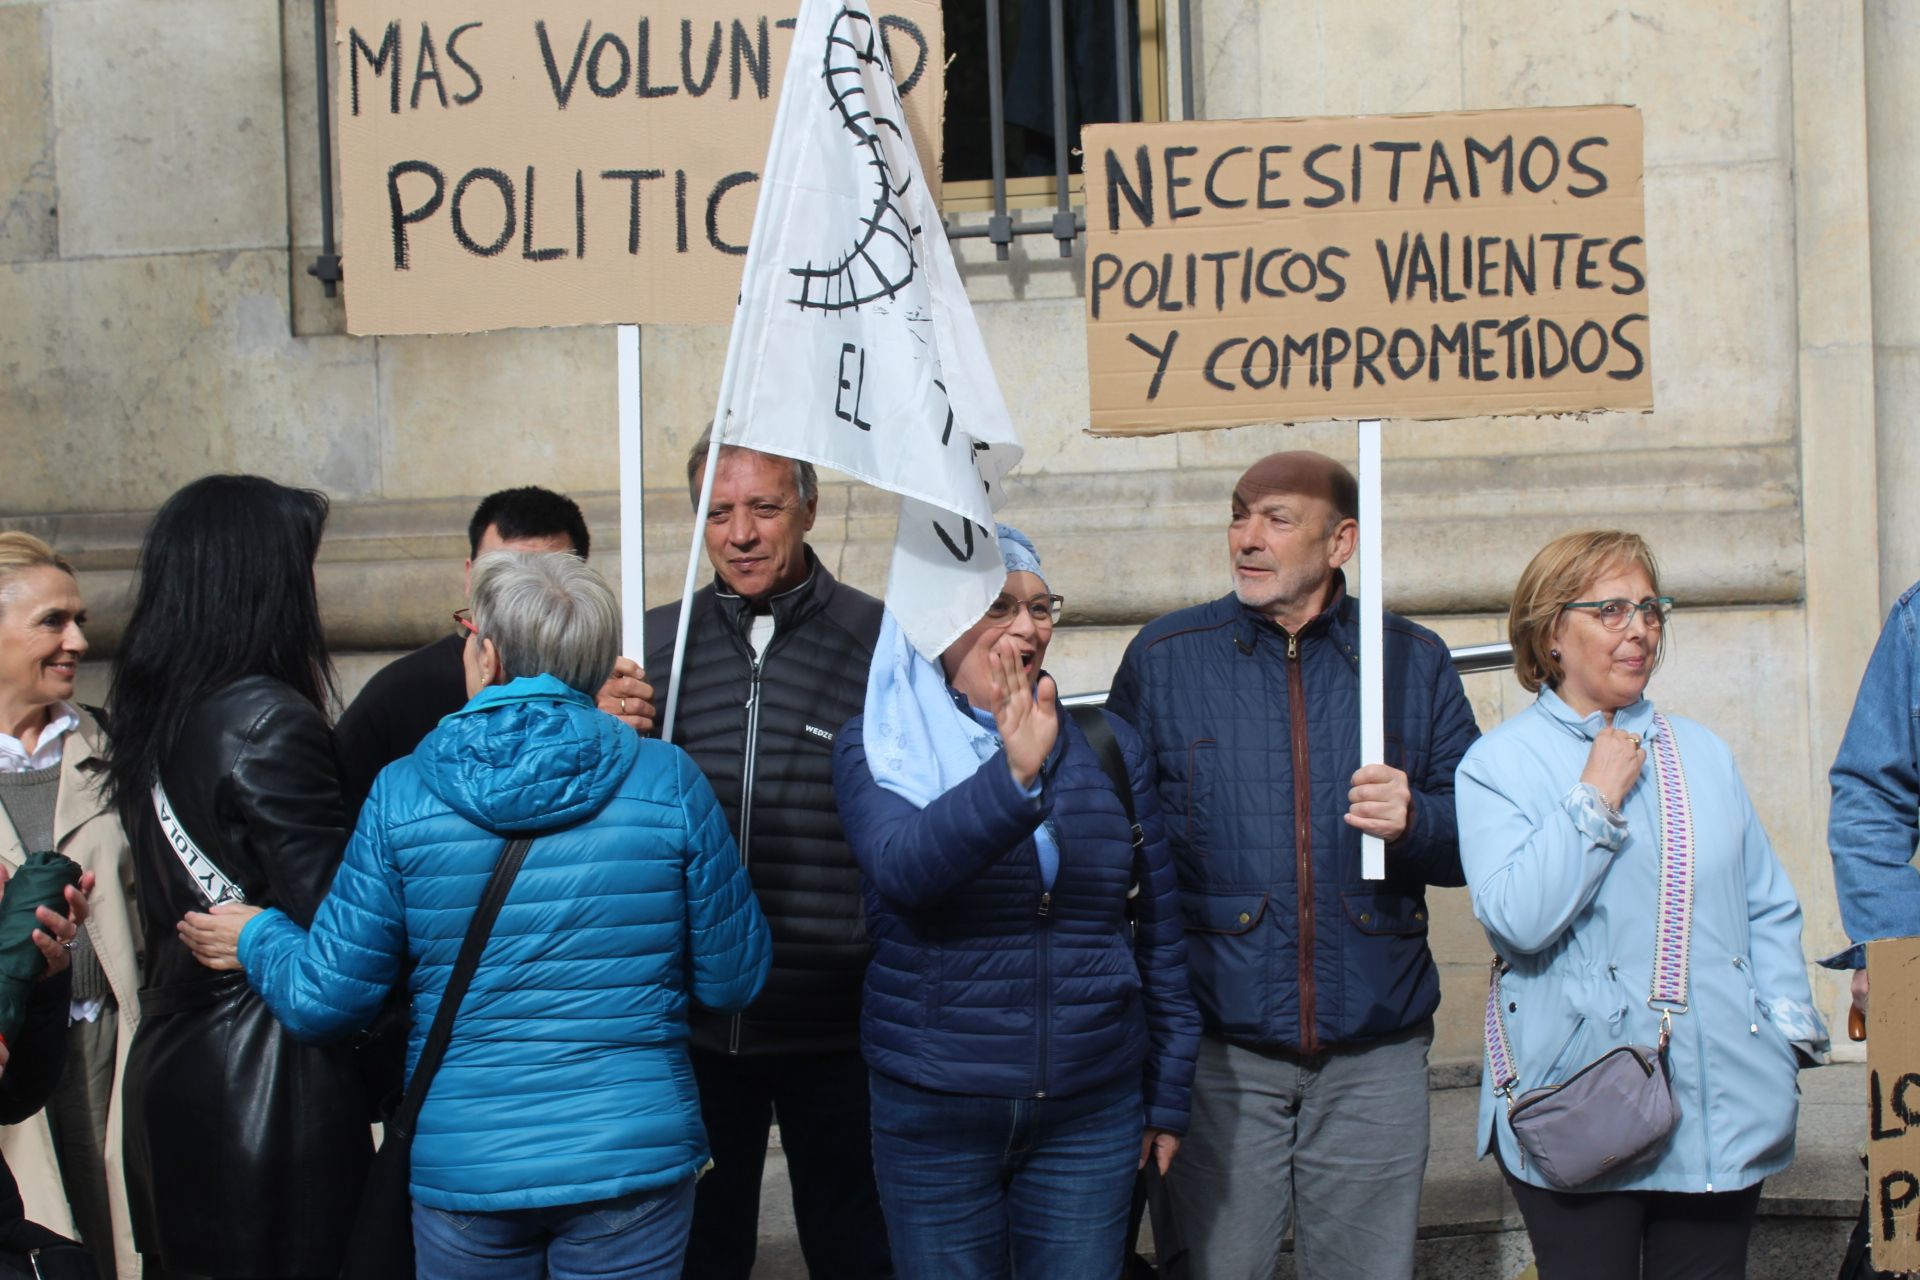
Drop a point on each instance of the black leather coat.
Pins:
(245, 1148)
(763, 734)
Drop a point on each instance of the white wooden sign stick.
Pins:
(633, 484)
(1373, 740)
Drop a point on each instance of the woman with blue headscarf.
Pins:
(1026, 1021)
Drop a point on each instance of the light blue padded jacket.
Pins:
(1569, 900)
(567, 1079)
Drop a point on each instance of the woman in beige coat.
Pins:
(67, 1158)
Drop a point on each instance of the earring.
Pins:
(1554, 654)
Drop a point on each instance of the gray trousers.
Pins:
(1333, 1144)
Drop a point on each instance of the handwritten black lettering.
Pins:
(720, 190)
(426, 66)
(858, 387)
(404, 217)
(562, 89)
(453, 52)
(385, 62)
(1161, 355)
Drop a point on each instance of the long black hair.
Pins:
(225, 591)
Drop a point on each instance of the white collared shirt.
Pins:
(14, 756)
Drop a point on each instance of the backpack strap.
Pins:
(1106, 748)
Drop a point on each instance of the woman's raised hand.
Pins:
(1027, 716)
(1614, 764)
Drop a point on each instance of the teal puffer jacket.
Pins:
(567, 1079)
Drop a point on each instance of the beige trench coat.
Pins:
(86, 829)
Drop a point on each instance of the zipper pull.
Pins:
(1293, 647)
(1046, 904)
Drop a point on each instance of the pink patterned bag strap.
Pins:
(1673, 926)
(1499, 1052)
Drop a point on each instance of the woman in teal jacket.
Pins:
(562, 1134)
(1560, 835)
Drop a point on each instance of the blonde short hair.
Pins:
(1558, 575)
(20, 552)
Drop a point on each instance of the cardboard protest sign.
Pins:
(1436, 266)
(568, 162)
(1893, 1104)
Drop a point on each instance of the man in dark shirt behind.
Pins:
(406, 698)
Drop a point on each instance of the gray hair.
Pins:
(805, 481)
(547, 614)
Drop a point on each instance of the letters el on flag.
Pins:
(854, 345)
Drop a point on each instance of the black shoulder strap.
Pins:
(471, 947)
(1100, 736)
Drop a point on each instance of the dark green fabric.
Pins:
(41, 881)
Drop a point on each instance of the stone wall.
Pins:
(159, 204)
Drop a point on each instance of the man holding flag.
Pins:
(777, 635)
(853, 346)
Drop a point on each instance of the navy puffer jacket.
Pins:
(1256, 736)
(979, 984)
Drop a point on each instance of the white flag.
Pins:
(854, 345)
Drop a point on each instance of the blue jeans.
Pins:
(983, 1188)
(631, 1237)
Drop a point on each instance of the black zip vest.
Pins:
(763, 735)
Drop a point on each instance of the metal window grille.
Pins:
(1065, 224)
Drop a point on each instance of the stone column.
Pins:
(1893, 185)
(1833, 270)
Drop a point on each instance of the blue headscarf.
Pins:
(920, 741)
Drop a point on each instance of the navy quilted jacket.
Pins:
(1256, 735)
(982, 984)
(567, 1079)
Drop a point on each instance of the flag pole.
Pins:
(729, 371)
(1373, 742)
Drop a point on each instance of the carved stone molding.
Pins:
(1124, 546)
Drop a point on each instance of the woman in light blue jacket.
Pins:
(562, 1134)
(1560, 835)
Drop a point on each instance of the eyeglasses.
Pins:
(465, 618)
(1044, 610)
(1617, 614)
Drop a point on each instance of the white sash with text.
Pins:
(209, 879)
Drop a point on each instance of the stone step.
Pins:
(1470, 1229)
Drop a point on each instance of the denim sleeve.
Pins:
(1875, 816)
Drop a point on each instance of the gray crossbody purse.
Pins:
(1617, 1109)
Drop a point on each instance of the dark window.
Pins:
(1099, 39)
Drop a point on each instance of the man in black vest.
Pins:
(777, 657)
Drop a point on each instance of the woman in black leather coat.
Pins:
(245, 1149)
